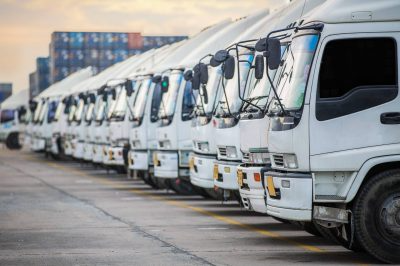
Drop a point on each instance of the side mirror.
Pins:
(213, 62)
(196, 81)
(129, 87)
(156, 79)
(229, 67)
(188, 75)
(92, 98)
(273, 53)
(261, 45)
(101, 90)
(221, 56)
(203, 73)
(113, 94)
(259, 67)
(165, 84)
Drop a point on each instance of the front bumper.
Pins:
(78, 149)
(224, 174)
(115, 156)
(88, 151)
(106, 156)
(97, 153)
(201, 171)
(251, 189)
(139, 160)
(289, 195)
(166, 164)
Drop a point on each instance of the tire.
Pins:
(214, 194)
(182, 187)
(281, 220)
(12, 141)
(376, 205)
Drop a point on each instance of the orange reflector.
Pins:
(270, 186)
(257, 177)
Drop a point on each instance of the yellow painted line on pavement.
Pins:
(221, 218)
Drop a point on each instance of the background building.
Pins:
(72, 51)
(5, 91)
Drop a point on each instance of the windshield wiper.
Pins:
(257, 98)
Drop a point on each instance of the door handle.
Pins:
(390, 118)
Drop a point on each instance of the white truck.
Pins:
(253, 121)
(202, 129)
(13, 118)
(333, 136)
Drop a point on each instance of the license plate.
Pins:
(191, 163)
(270, 186)
(227, 170)
(240, 178)
(215, 171)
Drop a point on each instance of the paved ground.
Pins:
(63, 213)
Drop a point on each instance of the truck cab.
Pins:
(333, 135)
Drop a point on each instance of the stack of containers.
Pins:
(40, 79)
(72, 51)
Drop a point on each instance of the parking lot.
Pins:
(64, 213)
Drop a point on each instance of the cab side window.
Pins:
(356, 74)
(188, 102)
(155, 103)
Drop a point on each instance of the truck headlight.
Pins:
(166, 144)
(231, 152)
(121, 143)
(290, 161)
(204, 146)
(259, 158)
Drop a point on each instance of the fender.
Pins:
(365, 168)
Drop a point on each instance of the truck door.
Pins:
(355, 107)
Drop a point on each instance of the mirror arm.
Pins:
(227, 102)
(238, 61)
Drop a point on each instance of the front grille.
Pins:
(222, 151)
(246, 156)
(278, 160)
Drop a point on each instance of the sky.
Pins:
(26, 25)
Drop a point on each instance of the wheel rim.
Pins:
(389, 219)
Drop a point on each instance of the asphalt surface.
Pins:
(65, 213)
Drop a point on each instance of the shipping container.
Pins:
(91, 57)
(43, 65)
(5, 91)
(76, 58)
(120, 41)
(60, 58)
(92, 40)
(76, 40)
(106, 40)
(135, 40)
(120, 55)
(106, 58)
(60, 40)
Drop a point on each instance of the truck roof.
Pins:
(355, 11)
(16, 100)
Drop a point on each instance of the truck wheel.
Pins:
(12, 141)
(376, 212)
(182, 187)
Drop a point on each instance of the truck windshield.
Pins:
(60, 107)
(52, 111)
(89, 112)
(232, 101)
(121, 102)
(7, 115)
(43, 112)
(293, 76)
(168, 101)
(79, 110)
(101, 106)
(142, 89)
(208, 92)
(37, 111)
(72, 110)
(111, 103)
